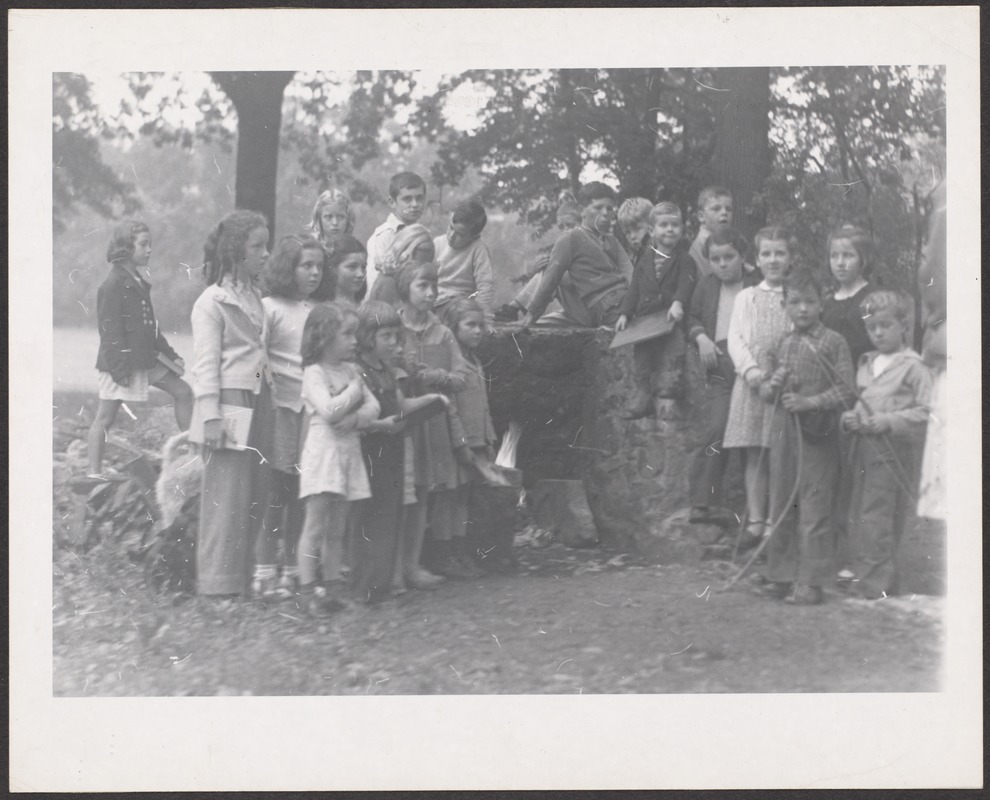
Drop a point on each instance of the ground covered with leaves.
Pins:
(564, 621)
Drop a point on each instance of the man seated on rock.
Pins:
(588, 272)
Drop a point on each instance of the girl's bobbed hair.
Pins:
(407, 240)
(409, 272)
(225, 245)
(280, 278)
(372, 317)
(331, 197)
(861, 241)
(121, 245)
(322, 325)
(458, 309)
(776, 233)
(723, 235)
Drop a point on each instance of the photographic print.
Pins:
(432, 383)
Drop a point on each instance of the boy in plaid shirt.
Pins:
(811, 371)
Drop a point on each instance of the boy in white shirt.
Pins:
(407, 201)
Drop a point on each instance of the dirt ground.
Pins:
(565, 621)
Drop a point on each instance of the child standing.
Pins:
(130, 341)
(757, 323)
(714, 210)
(347, 265)
(377, 520)
(464, 264)
(888, 428)
(849, 256)
(296, 279)
(333, 474)
(231, 369)
(434, 362)
(663, 278)
(407, 202)
(811, 372)
(467, 323)
(708, 327)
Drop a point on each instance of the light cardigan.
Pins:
(465, 272)
(229, 333)
(285, 319)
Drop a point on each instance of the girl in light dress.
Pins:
(758, 321)
(333, 474)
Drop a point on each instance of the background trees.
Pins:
(808, 146)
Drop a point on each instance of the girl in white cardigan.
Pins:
(230, 372)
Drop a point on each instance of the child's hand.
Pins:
(429, 376)
(676, 312)
(621, 322)
(796, 403)
(875, 425)
(778, 378)
(709, 352)
(442, 398)
(850, 421)
(754, 377)
(391, 424)
(213, 434)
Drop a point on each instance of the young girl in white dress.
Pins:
(758, 321)
(339, 404)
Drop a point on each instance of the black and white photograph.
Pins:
(390, 382)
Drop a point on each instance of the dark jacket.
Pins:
(129, 335)
(701, 316)
(647, 294)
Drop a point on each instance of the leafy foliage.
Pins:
(79, 175)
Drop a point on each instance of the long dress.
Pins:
(758, 322)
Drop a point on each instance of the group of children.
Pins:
(368, 419)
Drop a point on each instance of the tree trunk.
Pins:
(257, 96)
(741, 161)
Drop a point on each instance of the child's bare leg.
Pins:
(265, 550)
(757, 481)
(182, 394)
(318, 511)
(334, 530)
(106, 413)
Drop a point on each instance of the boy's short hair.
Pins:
(372, 317)
(633, 210)
(121, 246)
(404, 180)
(472, 214)
(408, 272)
(595, 190)
(723, 235)
(664, 208)
(710, 193)
(901, 305)
(802, 279)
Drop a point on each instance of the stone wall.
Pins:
(567, 389)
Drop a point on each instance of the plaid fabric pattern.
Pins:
(802, 353)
